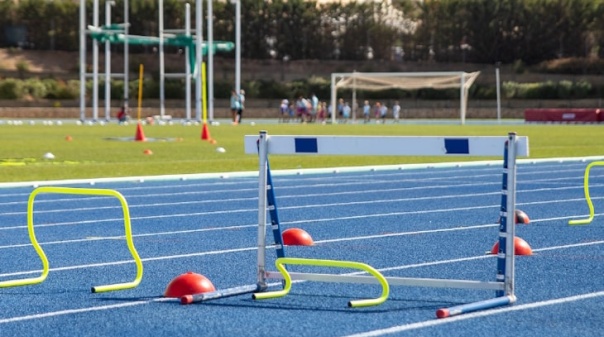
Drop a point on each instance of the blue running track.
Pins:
(434, 222)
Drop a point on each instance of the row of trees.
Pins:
(479, 31)
(53, 89)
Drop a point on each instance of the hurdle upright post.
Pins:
(262, 206)
(507, 232)
(507, 228)
(261, 146)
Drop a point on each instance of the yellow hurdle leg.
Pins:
(280, 262)
(587, 197)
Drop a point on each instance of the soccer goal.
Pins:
(406, 81)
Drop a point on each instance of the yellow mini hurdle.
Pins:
(280, 262)
(42, 255)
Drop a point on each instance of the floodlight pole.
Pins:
(126, 49)
(497, 84)
(210, 82)
(108, 5)
(162, 68)
(238, 46)
(198, 57)
(82, 60)
(188, 62)
(95, 65)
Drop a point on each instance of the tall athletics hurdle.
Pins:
(590, 204)
(399, 146)
(42, 255)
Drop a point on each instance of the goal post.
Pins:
(403, 80)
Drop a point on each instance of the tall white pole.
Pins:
(95, 64)
(162, 71)
(108, 5)
(462, 95)
(262, 205)
(188, 63)
(333, 98)
(82, 60)
(210, 83)
(198, 57)
(354, 96)
(126, 49)
(238, 46)
(498, 93)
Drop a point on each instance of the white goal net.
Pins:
(406, 81)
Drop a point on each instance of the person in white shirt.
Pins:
(346, 112)
(396, 112)
(284, 109)
(366, 111)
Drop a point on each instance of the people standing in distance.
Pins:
(366, 111)
(241, 105)
(235, 106)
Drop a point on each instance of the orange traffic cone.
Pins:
(140, 135)
(205, 132)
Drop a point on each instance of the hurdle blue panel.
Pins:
(387, 145)
(274, 214)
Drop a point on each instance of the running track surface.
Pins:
(433, 222)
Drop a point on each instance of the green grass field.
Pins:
(91, 155)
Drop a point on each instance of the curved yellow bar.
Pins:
(587, 197)
(44, 259)
(37, 247)
(280, 262)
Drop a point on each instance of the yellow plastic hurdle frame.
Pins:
(280, 262)
(42, 255)
(587, 197)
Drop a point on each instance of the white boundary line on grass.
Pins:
(250, 174)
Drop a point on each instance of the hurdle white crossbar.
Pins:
(263, 145)
(386, 145)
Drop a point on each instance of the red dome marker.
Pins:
(521, 218)
(521, 247)
(188, 284)
(297, 237)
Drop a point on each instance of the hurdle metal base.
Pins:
(235, 291)
(395, 281)
(475, 306)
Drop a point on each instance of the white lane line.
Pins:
(81, 310)
(380, 332)
(436, 322)
(370, 333)
(63, 200)
(306, 221)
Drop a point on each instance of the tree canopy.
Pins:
(479, 31)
